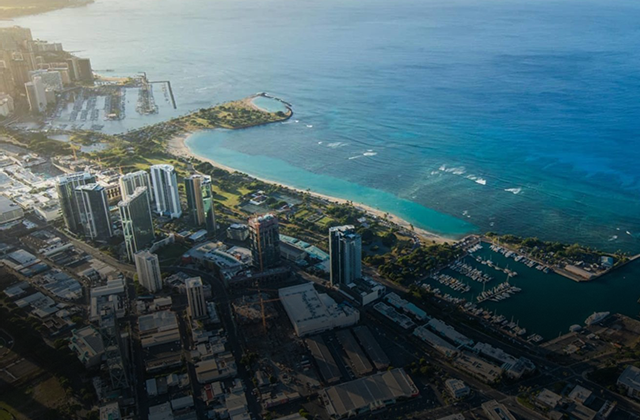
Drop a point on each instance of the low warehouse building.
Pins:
(368, 394)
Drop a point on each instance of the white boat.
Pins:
(596, 317)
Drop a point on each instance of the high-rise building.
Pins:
(46, 46)
(20, 67)
(66, 188)
(93, 206)
(133, 180)
(6, 105)
(14, 38)
(137, 224)
(7, 84)
(195, 297)
(265, 241)
(36, 95)
(148, 269)
(200, 201)
(165, 190)
(74, 72)
(16, 52)
(85, 70)
(51, 79)
(345, 250)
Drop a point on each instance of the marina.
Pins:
(520, 258)
(451, 282)
(499, 293)
(470, 272)
(541, 305)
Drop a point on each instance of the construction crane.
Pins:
(262, 302)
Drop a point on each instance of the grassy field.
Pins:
(31, 402)
(231, 115)
(230, 198)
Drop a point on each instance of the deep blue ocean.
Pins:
(459, 115)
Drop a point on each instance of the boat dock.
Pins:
(470, 272)
(500, 292)
(451, 282)
(491, 264)
(520, 258)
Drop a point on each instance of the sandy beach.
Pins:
(177, 147)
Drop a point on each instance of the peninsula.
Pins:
(15, 8)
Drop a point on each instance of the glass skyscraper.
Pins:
(137, 224)
(200, 201)
(66, 188)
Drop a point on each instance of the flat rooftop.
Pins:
(7, 205)
(311, 312)
(158, 321)
(356, 355)
(369, 393)
(371, 346)
(325, 361)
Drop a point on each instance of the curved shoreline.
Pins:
(177, 146)
(286, 104)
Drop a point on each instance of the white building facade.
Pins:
(165, 191)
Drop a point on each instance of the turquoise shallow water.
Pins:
(210, 143)
(520, 117)
(269, 104)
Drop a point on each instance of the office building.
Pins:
(195, 297)
(93, 207)
(6, 104)
(84, 69)
(200, 201)
(7, 84)
(131, 181)
(457, 388)
(66, 187)
(345, 251)
(20, 66)
(265, 241)
(36, 95)
(45, 46)
(629, 380)
(137, 224)
(148, 269)
(87, 344)
(50, 78)
(165, 190)
(14, 38)
(9, 211)
(238, 232)
(496, 411)
(311, 312)
(72, 65)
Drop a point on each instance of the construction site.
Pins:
(255, 309)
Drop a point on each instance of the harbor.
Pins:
(540, 301)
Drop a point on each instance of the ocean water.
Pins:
(462, 115)
(548, 303)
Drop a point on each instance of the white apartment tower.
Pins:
(195, 297)
(148, 268)
(36, 95)
(165, 190)
(131, 181)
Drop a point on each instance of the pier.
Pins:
(468, 271)
(173, 99)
